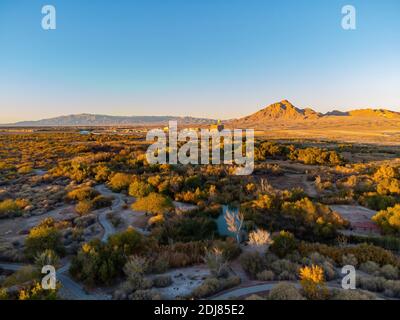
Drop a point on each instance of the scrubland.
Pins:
(91, 204)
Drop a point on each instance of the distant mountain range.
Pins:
(84, 119)
(280, 112)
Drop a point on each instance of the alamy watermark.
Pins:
(49, 280)
(349, 21)
(238, 150)
(349, 280)
(49, 20)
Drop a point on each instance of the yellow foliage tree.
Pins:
(312, 281)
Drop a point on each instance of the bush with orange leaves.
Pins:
(313, 282)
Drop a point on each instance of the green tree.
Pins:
(283, 244)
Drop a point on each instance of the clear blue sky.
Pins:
(210, 58)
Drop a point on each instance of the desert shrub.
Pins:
(36, 292)
(123, 291)
(317, 258)
(283, 244)
(229, 247)
(100, 263)
(156, 220)
(25, 169)
(389, 220)
(83, 193)
(159, 263)
(330, 272)
(162, 281)
(378, 201)
(45, 236)
(316, 156)
(9, 207)
(252, 263)
(213, 285)
(266, 275)
(363, 253)
(84, 207)
(134, 270)
(185, 228)
(25, 274)
(294, 256)
(349, 259)
(145, 295)
(120, 181)
(209, 287)
(392, 289)
(270, 258)
(285, 291)
(259, 237)
(101, 202)
(389, 272)
(386, 242)
(47, 257)
(375, 284)
(385, 172)
(136, 265)
(318, 219)
(352, 295)
(95, 263)
(370, 267)
(85, 221)
(127, 242)
(269, 149)
(139, 189)
(287, 267)
(183, 254)
(325, 263)
(312, 281)
(286, 275)
(102, 173)
(388, 186)
(4, 294)
(216, 262)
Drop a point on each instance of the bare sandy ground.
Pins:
(359, 218)
(13, 228)
(185, 280)
(289, 181)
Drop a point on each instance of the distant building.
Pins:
(219, 126)
(84, 132)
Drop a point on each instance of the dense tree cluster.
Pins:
(45, 236)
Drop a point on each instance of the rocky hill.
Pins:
(285, 112)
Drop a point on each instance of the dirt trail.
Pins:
(71, 288)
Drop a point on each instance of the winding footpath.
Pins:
(74, 289)
(258, 288)
(248, 290)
